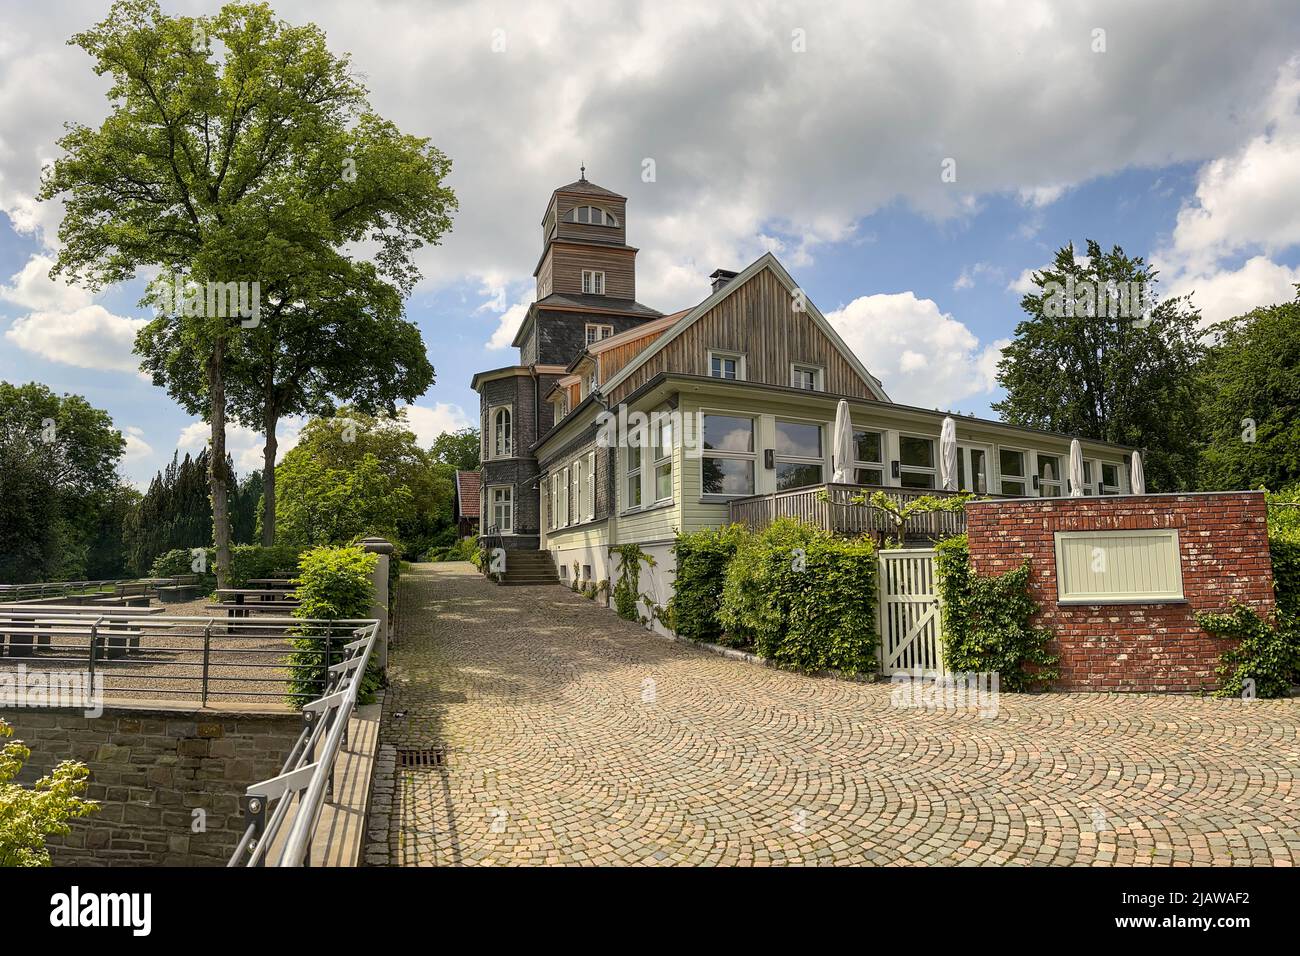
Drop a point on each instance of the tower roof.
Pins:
(587, 188)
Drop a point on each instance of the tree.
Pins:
(28, 816)
(1250, 412)
(242, 159)
(1081, 369)
(357, 474)
(58, 468)
(460, 449)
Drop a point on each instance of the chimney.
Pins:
(721, 277)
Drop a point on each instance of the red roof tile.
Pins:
(467, 485)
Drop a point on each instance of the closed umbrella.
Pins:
(842, 445)
(1076, 469)
(948, 454)
(1137, 481)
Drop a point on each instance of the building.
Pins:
(739, 393)
(468, 503)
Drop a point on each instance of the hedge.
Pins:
(702, 560)
(807, 600)
(1284, 545)
(246, 561)
(986, 622)
(334, 584)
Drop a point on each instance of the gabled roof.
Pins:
(765, 261)
(642, 331)
(467, 486)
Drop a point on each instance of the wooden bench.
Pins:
(27, 627)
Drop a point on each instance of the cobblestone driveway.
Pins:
(573, 737)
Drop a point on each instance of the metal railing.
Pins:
(281, 814)
(107, 587)
(133, 652)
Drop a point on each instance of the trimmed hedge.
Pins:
(986, 622)
(334, 584)
(246, 561)
(807, 600)
(702, 560)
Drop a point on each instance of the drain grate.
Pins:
(424, 758)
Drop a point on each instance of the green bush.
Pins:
(28, 816)
(246, 561)
(986, 622)
(463, 550)
(805, 599)
(702, 560)
(1284, 545)
(334, 584)
(1267, 652)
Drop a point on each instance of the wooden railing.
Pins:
(831, 506)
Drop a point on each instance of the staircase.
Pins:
(528, 568)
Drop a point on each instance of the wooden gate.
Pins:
(909, 612)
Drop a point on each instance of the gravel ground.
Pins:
(168, 665)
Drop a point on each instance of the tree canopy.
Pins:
(460, 449)
(1125, 378)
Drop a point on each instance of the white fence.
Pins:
(909, 612)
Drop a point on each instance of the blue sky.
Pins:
(1179, 140)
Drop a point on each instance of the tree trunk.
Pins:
(268, 471)
(218, 478)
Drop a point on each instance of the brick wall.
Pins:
(151, 769)
(1223, 539)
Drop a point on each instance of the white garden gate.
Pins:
(909, 612)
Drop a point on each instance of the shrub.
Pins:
(1284, 545)
(334, 584)
(246, 561)
(702, 559)
(986, 622)
(1267, 652)
(170, 564)
(28, 816)
(807, 600)
(463, 550)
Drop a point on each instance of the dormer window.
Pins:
(597, 332)
(593, 283)
(591, 216)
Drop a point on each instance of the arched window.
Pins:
(591, 216)
(501, 433)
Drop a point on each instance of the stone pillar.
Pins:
(384, 551)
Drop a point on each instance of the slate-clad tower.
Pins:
(586, 291)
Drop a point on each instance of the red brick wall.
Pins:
(1134, 647)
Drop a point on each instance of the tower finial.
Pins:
(582, 172)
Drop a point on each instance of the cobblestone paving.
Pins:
(573, 737)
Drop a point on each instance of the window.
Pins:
(729, 365)
(586, 572)
(593, 283)
(1011, 463)
(1049, 476)
(1118, 567)
(798, 455)
(663, 454)
(596, 332)
(564, 497)
(503, 512)
(633, 476)
(576, 511)
(916, 456)
(562, 406)
(807, 377)
(555, 501)
(591, 216)
(1087, 477)
(728, 462)
(591, 382)
(972, 468)
(1109, 479)
(868, 458)
(501, 437)
(591, 486)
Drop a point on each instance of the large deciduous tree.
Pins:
(238, 149)
(1124, 375)
(460, 449)
(1250, 410)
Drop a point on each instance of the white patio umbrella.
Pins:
(1137, 480)
(842, 445)
(948, 454)
(1076, 469)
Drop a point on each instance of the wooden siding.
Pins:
(616, 235)
(758, 320)
(615, 359)
(566, 263)
(545, 279)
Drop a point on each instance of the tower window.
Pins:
(593, 283)
(591, 216)
(597, 332)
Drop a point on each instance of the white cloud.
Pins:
(243, 444)
(430, 422)
(511, 319)
(136, 447)
(924, 356)
(1040, 196)
(1225, 293)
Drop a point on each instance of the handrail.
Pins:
(303, 785)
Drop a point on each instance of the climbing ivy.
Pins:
(1266, 652)
(628, 589)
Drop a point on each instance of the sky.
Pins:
(909, 163)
